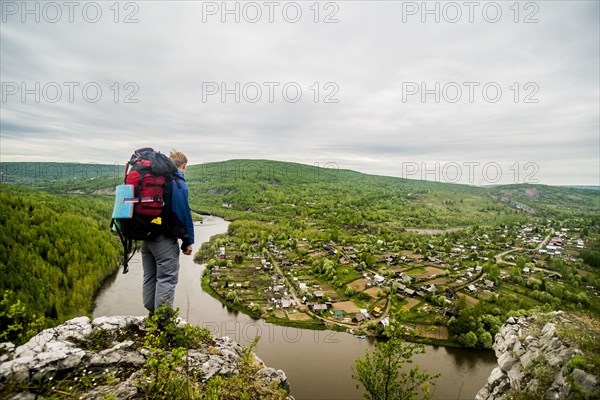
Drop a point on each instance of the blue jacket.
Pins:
(181, 207)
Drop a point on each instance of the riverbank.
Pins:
(290, 280)
(316, 324)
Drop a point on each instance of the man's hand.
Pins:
(188, 250)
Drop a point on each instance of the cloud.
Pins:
(357, 104)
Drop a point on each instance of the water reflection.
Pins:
(468, 357)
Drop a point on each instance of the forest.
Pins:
(55, 252)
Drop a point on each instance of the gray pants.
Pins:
(160, 258)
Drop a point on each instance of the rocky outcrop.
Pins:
(538, 357)
(87, 359)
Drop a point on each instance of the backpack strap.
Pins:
(129, 246)
(126, 172)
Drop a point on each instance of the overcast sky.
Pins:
(491, 92)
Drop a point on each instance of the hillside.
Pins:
(250, 189)
(55, 252)
(552, 200)
(262, 189)
(62, 177)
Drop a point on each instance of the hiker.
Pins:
(160, 255)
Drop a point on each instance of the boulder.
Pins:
(495, 377)
(528, 357)
(586, 383)
(549, 330)
(506, 361)
(515, 376)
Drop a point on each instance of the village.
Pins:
(329, 283)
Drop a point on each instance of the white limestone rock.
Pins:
(65, 351)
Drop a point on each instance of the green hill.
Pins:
(553, 200)
(258, 189)
(61, 177)
(263, 190)
(268, 190)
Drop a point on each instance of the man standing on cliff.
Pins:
(160, 255)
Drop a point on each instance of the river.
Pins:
(317, 363)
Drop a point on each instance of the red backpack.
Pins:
(149, 180)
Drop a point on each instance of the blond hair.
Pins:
(178, 158)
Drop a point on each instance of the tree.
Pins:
(494, 272)
(485, 340)
(461, 304)
(515, 274)
(468, 340)
(382, 375)
(18, 324)
(255, 308)
(232, 297)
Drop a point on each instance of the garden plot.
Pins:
(411, 303)
(373, 291)
(432, 332)
(429, 271)
(347, 306)
(299, 316)
(471, 301)
(438, 281)
(329, 292)
(358, 285)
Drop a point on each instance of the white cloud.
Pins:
(370, 56)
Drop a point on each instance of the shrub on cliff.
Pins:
(382, 374)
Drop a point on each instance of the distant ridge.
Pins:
(587, 187)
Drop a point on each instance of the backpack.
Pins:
(144, 201)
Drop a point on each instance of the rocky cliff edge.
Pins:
(109, 358)
(546, 356)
